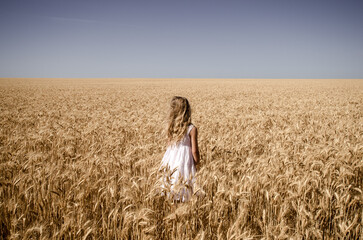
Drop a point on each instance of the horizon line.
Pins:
(138, 78)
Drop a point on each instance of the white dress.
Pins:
(178, 158)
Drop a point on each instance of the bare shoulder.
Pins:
(194, 131)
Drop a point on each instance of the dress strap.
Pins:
(190, 128)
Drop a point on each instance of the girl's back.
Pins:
(179, 156)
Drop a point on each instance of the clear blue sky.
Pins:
(181, 38)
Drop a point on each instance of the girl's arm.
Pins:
(194, 140)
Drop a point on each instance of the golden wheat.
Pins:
(280, 159)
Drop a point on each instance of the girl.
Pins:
(182, 154)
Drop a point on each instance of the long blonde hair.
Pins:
(179, 119)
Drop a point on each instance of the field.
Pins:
(280, 159)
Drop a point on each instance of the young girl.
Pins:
(182, 153)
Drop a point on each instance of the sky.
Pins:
(181, 38)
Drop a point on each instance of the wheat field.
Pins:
(280, 159)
